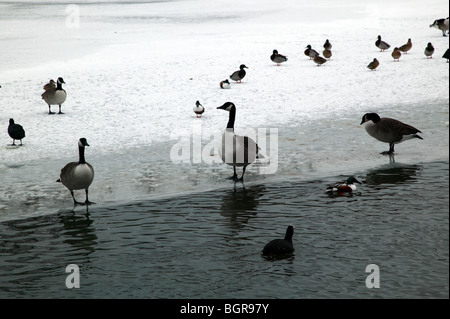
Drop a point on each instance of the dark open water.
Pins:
(207, 245)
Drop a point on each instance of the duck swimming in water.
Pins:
(343, 187)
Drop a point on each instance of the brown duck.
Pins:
(327, 53)
(396, 54)
(406, 47)
(374, 64)
(319, 60)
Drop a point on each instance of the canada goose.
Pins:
(280, 247)
(396, 54)
(429, 50)
(278, 58)
(327, 45)
(374, 64)
(198, 109)
(311, 53)
(381, 44)
(327, 53)
(446, 55)
(343, 187)
(239, 74)
(16, 132)
(388, 130)
(441, 24)
(406, 47)
(236, 150)
(54, 95)
(319, 60)
(225, 84)
(78, 175)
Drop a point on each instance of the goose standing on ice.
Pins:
(374, 64)
(280, 247)
(236, 150)
(54, 95)
(278, 58)
(198, 109)
(381, 44)
(429, 50)
(388, 130)
(441, 24)
(239, 74)
(78, 175)
(16, 132)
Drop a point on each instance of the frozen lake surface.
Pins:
(133, 71)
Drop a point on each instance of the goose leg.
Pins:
(391, 150)
(234, 177)
(75, 203)
(49, 110)
(14, 143)
(87, 202)
(243, 172)
(60, 110)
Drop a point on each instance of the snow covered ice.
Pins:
(134, 70)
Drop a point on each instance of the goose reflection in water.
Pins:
(393, 174)
(240, 204)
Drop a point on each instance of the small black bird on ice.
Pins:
(16, 132)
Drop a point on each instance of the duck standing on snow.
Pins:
(239, 74)
(278, 58)
(381, 44)
(429, 50)
(225, 84)
(54, 95)
(327, 45)
(78, 175)
(388, 130)
(16, 132)
(396, 54)
(198, 109)
(446, 55)
(406, 47)
(278, 248)
(319, 60)
(236, 150)
(374, 64)
(310, 52)
(343, 187)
